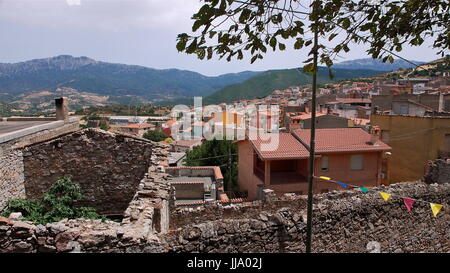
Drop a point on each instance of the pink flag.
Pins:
(408, 203)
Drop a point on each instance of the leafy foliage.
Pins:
(58, 203)
(215, 153)
(155, 135)
(229, 28)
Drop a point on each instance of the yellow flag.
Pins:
(325, 178)
(435, 208)
(384, 195)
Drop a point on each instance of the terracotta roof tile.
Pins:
(287, 147)
(341, 140)
(139, 125)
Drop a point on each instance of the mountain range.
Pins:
(87, 75)
(376, 64)
(89, 82)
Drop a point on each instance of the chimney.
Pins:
(374, 135)
(62, 108)
(375, 110)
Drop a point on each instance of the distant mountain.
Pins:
(265, 83)
(88, 75)
(376, 64)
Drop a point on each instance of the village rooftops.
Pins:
(295, 145)
(341, 140)
(287, 147)
(139, 126)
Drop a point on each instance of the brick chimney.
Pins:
(62, 108)
(375, 132)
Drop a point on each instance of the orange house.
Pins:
(350, 155)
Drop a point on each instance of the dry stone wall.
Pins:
(107, 166)
(346, 221)
(343, 222)
(438, 171)
(11, 176)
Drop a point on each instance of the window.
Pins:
(324, 162)
(356, 162)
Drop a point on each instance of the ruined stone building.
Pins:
(126, 176)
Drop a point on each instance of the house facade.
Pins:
(414, 141)
(346, 154)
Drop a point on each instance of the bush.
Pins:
(155, 135)
(58, 203)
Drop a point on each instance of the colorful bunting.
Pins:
(435, 208)
(364, 190)
(385, 195)
(408, 203)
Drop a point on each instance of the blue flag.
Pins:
(342, 184)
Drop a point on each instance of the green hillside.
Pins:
(263, 84)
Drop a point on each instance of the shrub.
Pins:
(58, 203)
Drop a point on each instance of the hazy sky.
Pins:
(141, 32)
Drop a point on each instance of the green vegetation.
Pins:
(215, 153)
(57, 204)
(264, 84)
(155, 135)
(125, 110)
(110, 79)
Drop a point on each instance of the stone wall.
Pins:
(11, 156)
(107, 166)
(438, 171)
(145, 218)
(346, 221)
(11, 176)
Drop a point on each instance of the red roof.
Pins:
(287, 147)
(188, 142)
(341, 140)
(139, 125)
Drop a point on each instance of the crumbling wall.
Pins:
(343, 222)
(438, 171)
(145, 218)
(346, 221)
(11, 176)
(107, 166)
(11, 156)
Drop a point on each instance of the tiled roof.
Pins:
(217, 171)
(139, 125)
(341, 140)
(303, 115)
(287, 147)
(353, 100)
(187, 143)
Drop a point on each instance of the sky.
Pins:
(138, 32)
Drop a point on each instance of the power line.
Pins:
(212, 157)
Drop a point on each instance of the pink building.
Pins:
(350, 155)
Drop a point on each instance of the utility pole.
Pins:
(312, 146)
